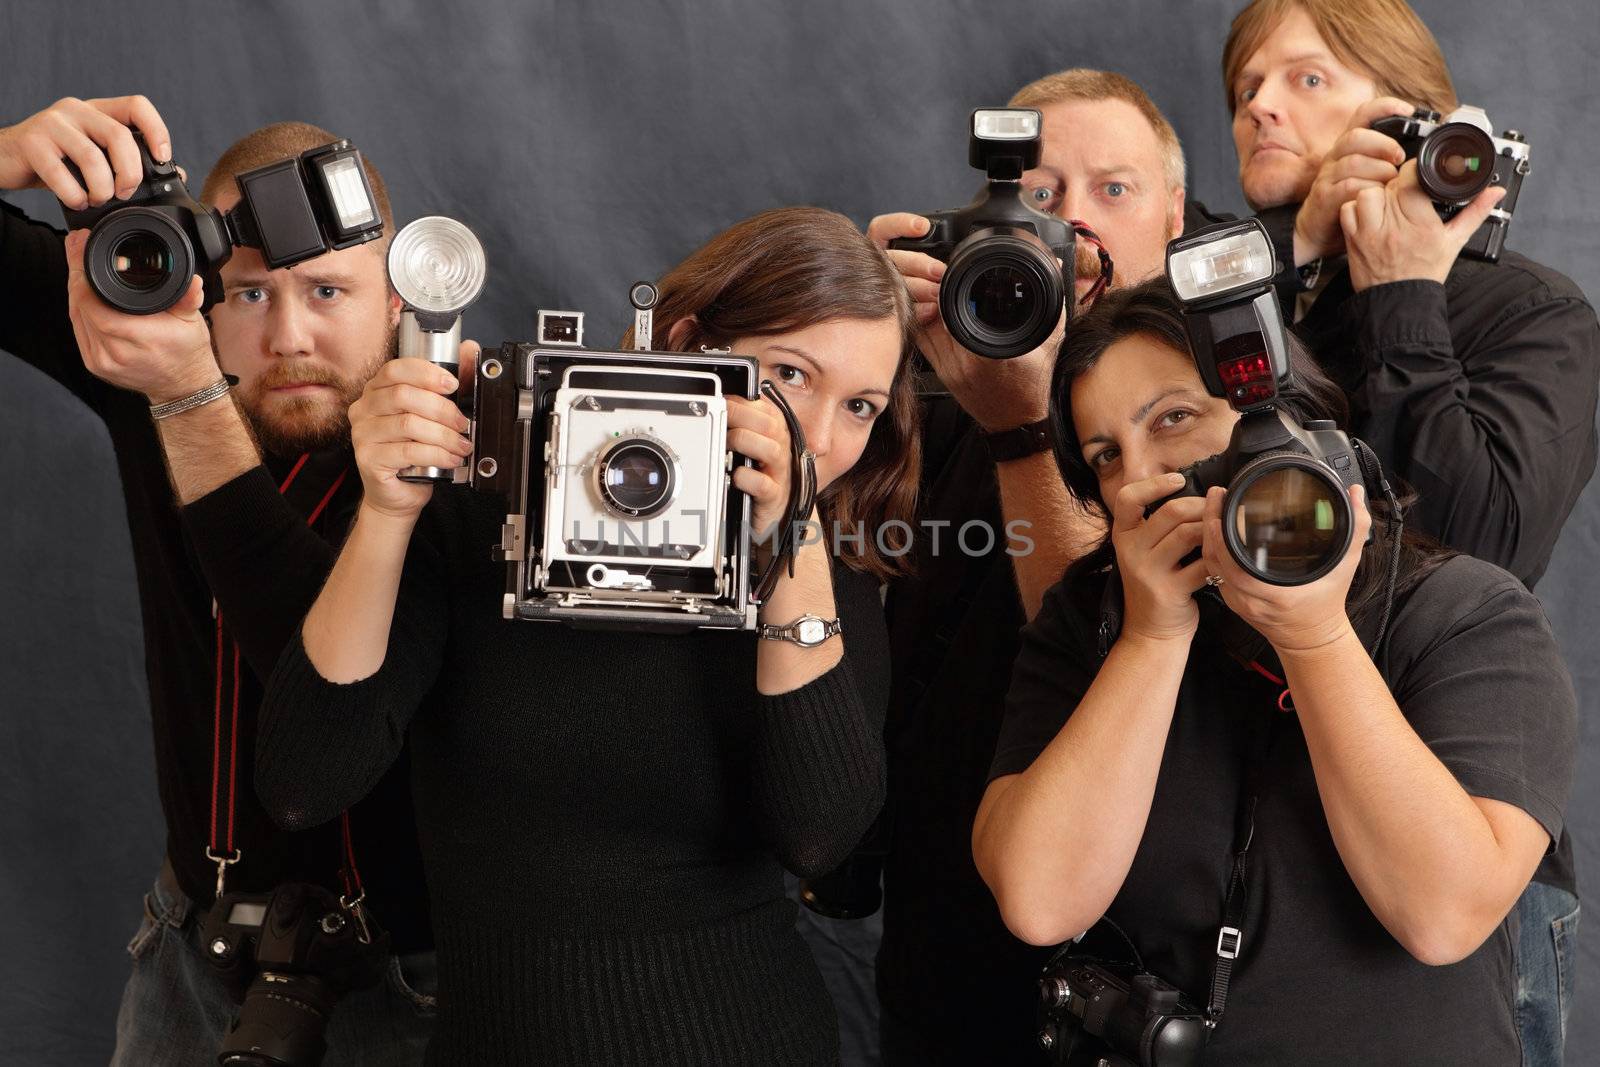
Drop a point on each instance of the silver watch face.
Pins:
(811, 631)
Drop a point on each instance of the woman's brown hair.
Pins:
(1384, 38)
(787, 270)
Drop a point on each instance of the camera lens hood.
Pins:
(1002, 293)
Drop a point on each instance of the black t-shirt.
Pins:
(1474, 668)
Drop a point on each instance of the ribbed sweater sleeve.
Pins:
(321, 746)
(818, 777)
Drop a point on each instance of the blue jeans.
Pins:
(846, 951)
(1546, 951)
(175, 1010)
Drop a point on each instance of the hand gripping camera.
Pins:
(1288, 518)
(1100, 1014)
(143, 251)
(617, 473)
(288, 957)
(1458, 156)
(1005, 288)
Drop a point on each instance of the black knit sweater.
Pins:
(603, 815)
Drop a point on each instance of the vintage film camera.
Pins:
(1004, 290)
(288, 957)
(1458, 156)
(614, 465)
(1288, 519)
(1101, 1014)
(143, 251)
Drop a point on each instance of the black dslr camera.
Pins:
(1288, 518)
(143, 251)
(1458, 156)
(287, 957)
(1004, 291)
(1095, 1013)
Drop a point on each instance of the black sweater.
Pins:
(251, 549)
(603, 814)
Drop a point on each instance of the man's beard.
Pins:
(308, 423)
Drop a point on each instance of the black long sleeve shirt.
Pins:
(604, 815)
(251, 549)
(1480, 393)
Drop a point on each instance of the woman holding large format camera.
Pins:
(605, 816)
(1336, 874)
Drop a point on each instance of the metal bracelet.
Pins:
(190, 402)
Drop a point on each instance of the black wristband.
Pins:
(1028, 440)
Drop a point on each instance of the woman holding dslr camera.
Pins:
(606, 816)
(1391, 797)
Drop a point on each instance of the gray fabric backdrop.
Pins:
(590, 146)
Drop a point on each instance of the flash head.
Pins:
(1223, 275)
(1219, 262)
(437, 265)
(1005, 141)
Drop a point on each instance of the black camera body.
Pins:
(1094, 1012)
(287, 957)
(142, 251)
(1288, 518)
(1458, 156)
(620, 506)
(1004, 290)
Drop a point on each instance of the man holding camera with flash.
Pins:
(1474, 380)
(233, 444)
(1109, 160)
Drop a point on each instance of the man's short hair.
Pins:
(1384, 38)
(1081, 83)
(280, 141)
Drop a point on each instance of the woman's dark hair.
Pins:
(1151, 310)
(786, 270)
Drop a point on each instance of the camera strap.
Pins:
(1098, 289)
(221, 847)
(802, 496)
(1230, 935)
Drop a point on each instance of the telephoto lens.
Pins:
(282, 1022)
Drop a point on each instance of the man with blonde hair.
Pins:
(232, 441)
(955, 987)
(1475, 382)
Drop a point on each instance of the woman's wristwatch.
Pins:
(808, 631)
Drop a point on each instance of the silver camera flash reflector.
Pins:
(1235, 261)
(437, 265)
(1005, 124)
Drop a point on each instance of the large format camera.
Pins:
(1101, 1014)
(618, 476)
(1010, 266)
(143, 251)
(288, 957)
(1288, 518)
(1458, 156)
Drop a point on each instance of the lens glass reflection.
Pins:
(1290, 523)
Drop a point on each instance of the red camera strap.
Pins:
(221, 849)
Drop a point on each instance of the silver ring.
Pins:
(1214, 580)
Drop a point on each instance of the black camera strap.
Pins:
(802, 496)
(221, 847)
(1102, 283)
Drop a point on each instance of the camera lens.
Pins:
(1002, 294)
(281, 1023)
(1456, 163)
(1287, 520)
(139, 260)
(636, 477)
